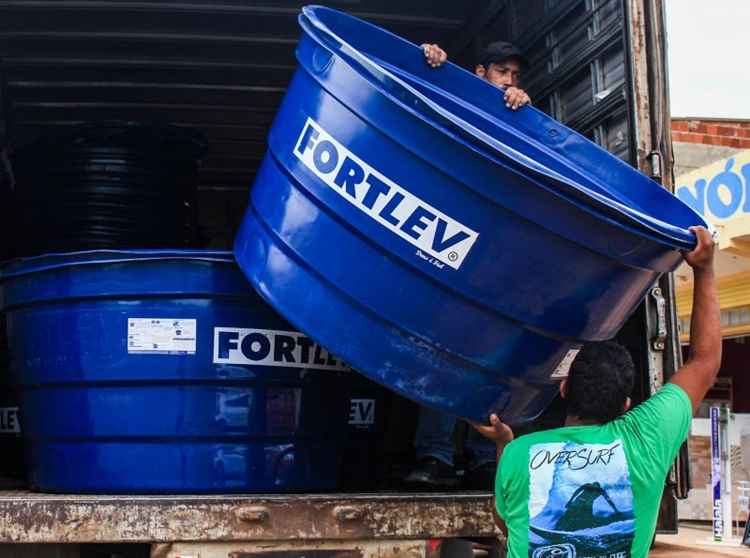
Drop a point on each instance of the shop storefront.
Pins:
(717, 185)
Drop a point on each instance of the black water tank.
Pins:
(108, 185)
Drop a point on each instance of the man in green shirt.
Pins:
(592, 488)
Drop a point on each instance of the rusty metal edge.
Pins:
(646, 29)
(39, 518)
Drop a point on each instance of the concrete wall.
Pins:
(700, 142)
(691, 156)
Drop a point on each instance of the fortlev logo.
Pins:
(362, 412)
(391, 205)
(267, 347)
(9, 422)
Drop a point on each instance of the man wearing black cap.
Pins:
(501, 65)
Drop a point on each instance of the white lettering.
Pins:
(266, 347)
(362, 412)
(9, 423)
(394, 207)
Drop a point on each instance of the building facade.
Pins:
(712, 170)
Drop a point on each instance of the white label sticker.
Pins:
(393, 206)
(362, 412)
(267, 347)
(9, 423)
(564, 367)
(162, 336)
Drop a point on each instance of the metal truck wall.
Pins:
(159, 371)
(223, 68)
(12, 467)
(220, 67)
(577, 71)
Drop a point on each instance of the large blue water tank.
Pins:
(162, 371)
(444, 245)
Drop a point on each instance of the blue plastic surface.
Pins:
(442, 244)
(106, 410)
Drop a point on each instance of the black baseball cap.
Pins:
(500, 51)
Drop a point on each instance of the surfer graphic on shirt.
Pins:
(581, 502)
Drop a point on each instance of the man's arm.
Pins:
(499, 446)
(697, 375)
(502, 435)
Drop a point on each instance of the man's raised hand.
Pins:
(497, 430)
(434, 55)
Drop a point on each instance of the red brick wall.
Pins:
(712, 132)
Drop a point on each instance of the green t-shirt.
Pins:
(591, 491)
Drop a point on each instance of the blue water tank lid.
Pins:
(49, 262)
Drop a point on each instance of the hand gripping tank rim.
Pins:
(674, 237)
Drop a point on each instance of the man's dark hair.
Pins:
(599, 382)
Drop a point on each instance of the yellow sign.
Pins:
(721, 193)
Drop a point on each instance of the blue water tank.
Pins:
(162, 371)
(444, 245)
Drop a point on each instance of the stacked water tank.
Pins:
(108, 185)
